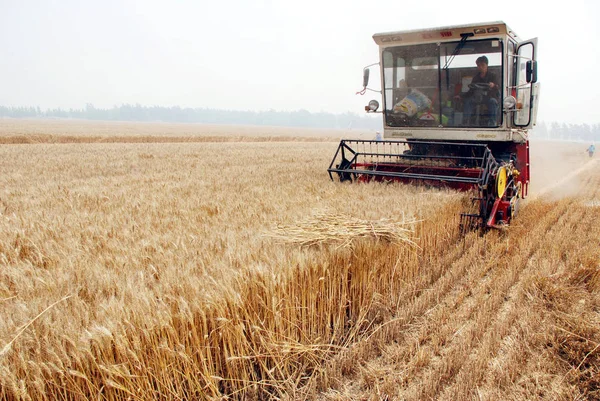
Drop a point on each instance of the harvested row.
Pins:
(554, 341)
(486, 336)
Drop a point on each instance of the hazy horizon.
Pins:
(261, 55)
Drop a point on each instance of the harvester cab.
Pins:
(457, 106)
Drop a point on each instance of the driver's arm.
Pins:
(467, 94)
(494, 87)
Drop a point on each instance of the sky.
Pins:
(265, 54)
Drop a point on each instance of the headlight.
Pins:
(373, 105)
(510, 102)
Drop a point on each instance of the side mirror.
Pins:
(531, 71)
(372, 107)
(365, 77)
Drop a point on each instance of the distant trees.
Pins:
(568, 132)
(137, 112)
(297, 118)
(19, 112)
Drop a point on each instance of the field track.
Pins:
(492, 318)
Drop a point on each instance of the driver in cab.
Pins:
(483, 90)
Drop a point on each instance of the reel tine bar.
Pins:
(464, 164)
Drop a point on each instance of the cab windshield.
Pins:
(444, 85)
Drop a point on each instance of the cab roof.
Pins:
(445, 33)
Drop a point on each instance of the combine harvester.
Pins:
(457, 105)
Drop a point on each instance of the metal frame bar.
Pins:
(483, 163)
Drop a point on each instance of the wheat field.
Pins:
(157, 261)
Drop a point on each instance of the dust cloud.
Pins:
(557, 168)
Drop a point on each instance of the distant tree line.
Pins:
(127, 112)
(567, 132)
(299, 118)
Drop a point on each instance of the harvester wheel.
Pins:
(501, 181)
